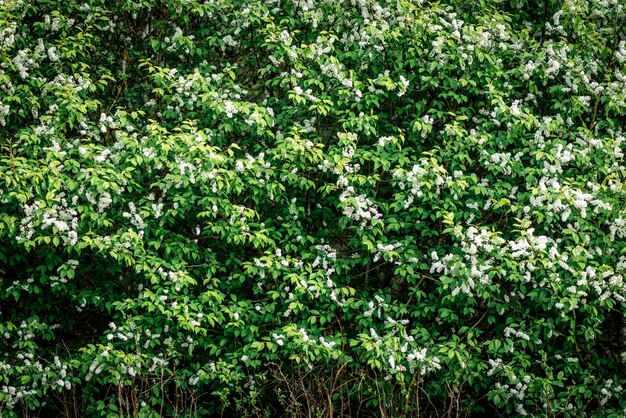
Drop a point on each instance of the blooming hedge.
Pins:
(312, 208)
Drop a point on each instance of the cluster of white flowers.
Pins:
(609, 283)
(62, 374)
(20, 285)
(378, 305)
(61, 216)
(185, 94)
(610, 390)
(528, 245)
(326, 166)
(55, 148)
(104, 156)
(321, 284)
(55, 23)
(132, 368)
(96, 367)
(556, 59)
(230, 109)
(4, 112)
(24, 63)
(279, 339)
(560, 201)
(398, 347)
(333, 68)
(428, 175)
(193, 380)
(494, 365)
(440, 265)
(514, 109)
(135, 218)
(358, 207)
(102, 202)
(239, 216)
(516, 390)
(173, 277)
(29, 364)
(12, 395)
(186, 170)
(178, 38)
(620, 54)
(417, 358)
(385, 249)
(500, 159)
(52, 54)
(157, 362)
(107, 122)
(77, 82)
(327, 258)
(384, 140)
(68, 265)
(473, 266)
(403, 86)
(7, 36)
(509, 331)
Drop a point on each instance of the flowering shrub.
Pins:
(312, 207)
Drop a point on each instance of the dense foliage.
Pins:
(312, 207)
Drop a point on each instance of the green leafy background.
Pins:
(312, 208)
